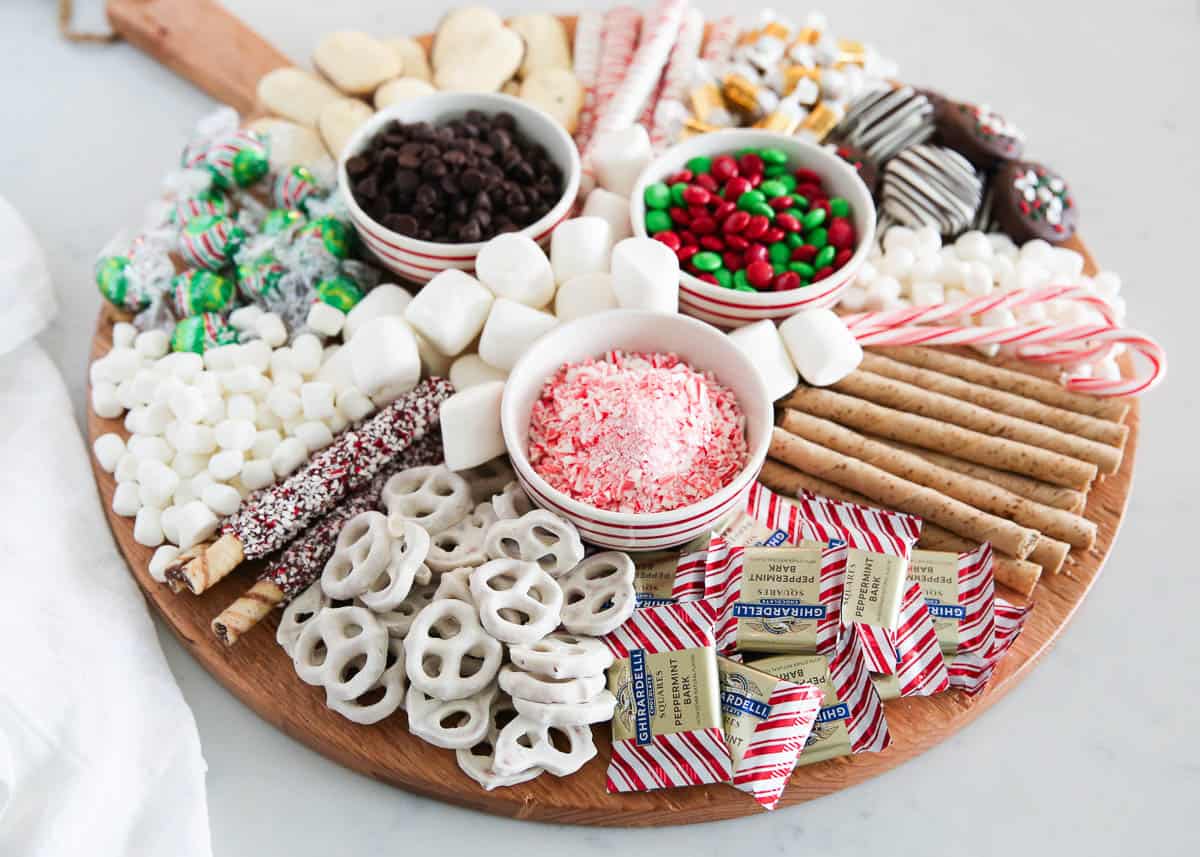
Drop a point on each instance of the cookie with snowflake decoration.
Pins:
(1032, 201)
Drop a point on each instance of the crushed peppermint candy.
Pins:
(636, 432)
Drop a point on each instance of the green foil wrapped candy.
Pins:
(339, 291)
(334, 234)
(205, 330)
(260, 278)
(196, 291)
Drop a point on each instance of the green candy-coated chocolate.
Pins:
(772, 189)
(706, 261)
(814, 218)
(794, 239)
(723, 277)
(818, 237)
(657, 195)
(839, 207)
(761, 208)
(749, 198)
(699, 164)
(657, 221)
(677, 190)
(804, 269)
(824, 256)
(779, 252)
(788, 180)
(773, 157)
(740, 283)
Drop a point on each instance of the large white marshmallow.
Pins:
(195, 523)
(821, 347)
(613, 208)
(337, 370)
(470, 421)
(384, 359)
(764, 346)
(469, 370)
(513, 266)
(450, 311)
(619, 157)
(645, 275)
(511, 328)
(580, 246)
(384, 299)
(584, 295)
(433, 362)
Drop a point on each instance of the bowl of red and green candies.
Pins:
(764, 224)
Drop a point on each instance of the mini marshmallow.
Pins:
(196, 438)
(314, 434)
(353, 404)
(469, 370)
(307, 354)
(265, 442)
(196, 523)
(384, 359)
(245, 317)
(762, 343)
(511, 328)
(155, 419)
(325, 319)
(853, 298)
(613, 209)
(124, 334)
(256, 353)
(126, 500)
(150, 447)
(222, 499)
(208, 383)
(241, 407)
(169, 520)
(974, 247)
(821, 347)
(127, 468)
(133, 420)
(187, 403)
(184, 494)
(316, 400)
(184, 365)
(162, 558)
(289, 455)
(222, 358)
(619, 157)
(226, 464)
(470, 421)
(122, 364)
(450, 311)
(271, 329)
(257, 474)
(147, 527)
(286, 379)
(513, 266)
(239, 379)
(201, 481)
(126, 394)
(283, 403)
(144, 385)
(585, 295)
(282, 360)
(108, 449)
(927, 292)
(265, 418)
(385, 299)
(645, 275)
(158, 483)
(898, 262)
(581, 245)
(214, 410)
(105, 402)
(977, 279)
(1065, 262)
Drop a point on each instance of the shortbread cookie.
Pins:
(339, 120)
(401, 89)
(413, 60)
(295, 94)
(356, 63)
(474, 52)
(558, 92)
(546, 43)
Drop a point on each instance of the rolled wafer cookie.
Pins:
(900, 494)
(914, 399)
(1020, 383)
(1072, 422)
(1056, 523)
(1017, 574)
(939, 436)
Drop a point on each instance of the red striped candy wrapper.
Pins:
(912, 660)
(851, 718)
(960, 592)
(972, 672)
(767, 723)
(667, 727)
(589, 34)
(670, 576)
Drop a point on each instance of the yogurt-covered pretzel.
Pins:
(299, 613)
(562, 655)
(462, 544)
(399, 619)
(382, 698)
(366, 551)
(517, 601)
(447, 652)
(453, 725)
(455, 585)
(343, 649)
(489, 478)
(597, 710)
(410, 545)
(538, 536)
(599, 594)
(433, 496)
(476, 761)
(540, 688)
(512, 502)
(523, 744)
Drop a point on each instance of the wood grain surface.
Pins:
(204, 43)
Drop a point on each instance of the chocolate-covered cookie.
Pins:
(855, 158)
(884, 122)
(978, 133)
(1031, 201)
(931, 185)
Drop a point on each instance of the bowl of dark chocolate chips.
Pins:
(428, 181)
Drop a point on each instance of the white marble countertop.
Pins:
(1096, 752)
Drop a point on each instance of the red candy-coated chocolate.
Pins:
(696, 195)
(750, 164)
(755, 179)
(759, 274)
(772, 235)
(735, 222)
(733, 261)
(822, 273)
(708, 278)
(786, 280)
(687, 236)
(758, 225)
(669, 238)
(724, 167)
(735, 187)
(822, 204)
(724, 210)
(787, 223)
(712, 242)
(736, 242)
(706, 181)
(704, 225)
(679, 215)
(842, 257)
(781, 203)
(684, 175)
(687, 252)
(841, 233)
(755, 253)
(804, 253)
(810, 191)
(807, 176)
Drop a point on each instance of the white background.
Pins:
(1096, 752)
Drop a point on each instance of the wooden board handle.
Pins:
(201, 41)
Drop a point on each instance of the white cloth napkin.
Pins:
(99, 753)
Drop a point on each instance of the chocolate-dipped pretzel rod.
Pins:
(302, 561)
(270, 519)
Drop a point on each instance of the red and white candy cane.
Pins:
(1023, 336)
(617, 44)
(589, 32)
(978, 306)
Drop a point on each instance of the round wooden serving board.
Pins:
(182, 33)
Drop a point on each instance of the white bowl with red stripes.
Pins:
(420, 261)
(726, 307)
(701, 345)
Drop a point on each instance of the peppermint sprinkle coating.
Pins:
(271, 518)
(633, 432)
(304, 559)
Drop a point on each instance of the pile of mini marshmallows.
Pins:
(911, 267)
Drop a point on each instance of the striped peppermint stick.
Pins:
(780, 728)
(971, 673)
(589, 33)
(649, 761)
(978, 306)
(617, 45)
(669, 110)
